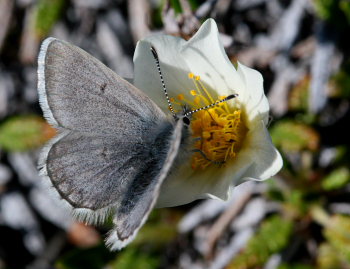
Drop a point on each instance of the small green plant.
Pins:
(293, 136)
(336, 12)
(298, 99)
(21, 133)
(47, 13)
(272, 237)
(336, 179)
(131, 258)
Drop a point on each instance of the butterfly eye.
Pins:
(186, 120)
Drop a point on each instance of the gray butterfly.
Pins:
(114, 146)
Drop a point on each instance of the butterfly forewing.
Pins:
(76, 89)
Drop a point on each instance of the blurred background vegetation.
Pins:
(299, 219)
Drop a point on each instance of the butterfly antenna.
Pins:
(155, 55)
(211, 105)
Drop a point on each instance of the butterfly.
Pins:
(114, 146)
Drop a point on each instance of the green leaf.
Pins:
(299, 95)
(325, 8)
(159, 230)
(292, 136)
(175, 4)
(48, 12)
(271, 238)
(131, 258)
(21, 133)
(333, 11)
(344, 6)
(337, 232)
(158, 234)
(328, 257)
(194, 4)
(336, 179)
(295, 203)
(340, 82)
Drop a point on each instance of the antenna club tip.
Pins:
(232, 96)
(154, 52)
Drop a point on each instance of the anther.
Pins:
(181, 97)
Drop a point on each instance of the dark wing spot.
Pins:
(103, 87)
(104, 153)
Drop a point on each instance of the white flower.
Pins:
(234, 143)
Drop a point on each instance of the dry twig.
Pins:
(225, 219)
(6, 7)
(139, 14)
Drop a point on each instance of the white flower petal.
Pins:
(213, 183)
(206, 57)
(174, 68)
(256, 103)
(188, 185)
(258, 149)
(257, 160)
(203, 54)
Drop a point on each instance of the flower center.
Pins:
(218, 132)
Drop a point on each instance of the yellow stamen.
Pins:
(206, 92)
(196, 84)
(200, 86)
(181, 97)
(221, 132)
(197, 100)
(206, 135)
(218, 132)
(176, 103)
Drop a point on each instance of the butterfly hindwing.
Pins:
(131, 215)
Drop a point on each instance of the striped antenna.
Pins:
(211, 105)
(155, 55)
